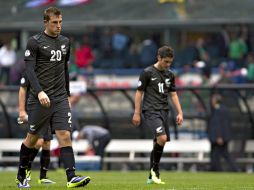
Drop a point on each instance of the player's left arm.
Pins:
(176, 102)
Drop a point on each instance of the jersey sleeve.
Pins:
(143, 80)
(24, 82)
(67, 78)
(30, 60)
(173, 85)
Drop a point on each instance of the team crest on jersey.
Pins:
(22, 80)
(27, 53)
(167, 82)
(63, 49)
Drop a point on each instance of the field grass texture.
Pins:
(117, 180)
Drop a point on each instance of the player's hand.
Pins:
(44, 99)
(23, 117)
(136, 119)
(179, 119)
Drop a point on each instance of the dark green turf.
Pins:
(137, 181)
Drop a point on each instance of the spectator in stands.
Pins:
(133, 54)
(148, 53)
(7, 59)
(202, 54)
(223, 41)
(156, 83)
(244, 33)
(202, 58)
(219, 132)
(237, 49)
(120, 43)
(105, 51)
(250, 68)
(97, 136)
(84, 55)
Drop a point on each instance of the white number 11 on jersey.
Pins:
(161, 87)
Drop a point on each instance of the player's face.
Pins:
(54, 25)
(164, 63)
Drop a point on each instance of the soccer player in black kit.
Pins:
(157, 83)
(42, 142)
(46, 58)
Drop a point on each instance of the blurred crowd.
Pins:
(228, 53)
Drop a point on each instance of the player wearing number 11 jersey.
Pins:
(46, 59)
(157, 83)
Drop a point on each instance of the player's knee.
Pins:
(161, 140)
(64, 138)
(30, 140)
(39, 143)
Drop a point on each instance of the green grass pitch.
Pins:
(117, 180)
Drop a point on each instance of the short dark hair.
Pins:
(51, 11)
(166, 51)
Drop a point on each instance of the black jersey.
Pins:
(156, 86)
(46, 66)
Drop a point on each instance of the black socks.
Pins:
(44, 160)
(157, 153)
(24, 159)
(67, 157)
(32, 157)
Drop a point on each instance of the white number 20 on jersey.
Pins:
(56, 55)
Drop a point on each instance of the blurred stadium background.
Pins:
(113, 40)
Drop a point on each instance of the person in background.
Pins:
(7, 60)
(84, 56)
(219, 132)
(250, 67)
(97, 137)
(148, 52)
(43, 141)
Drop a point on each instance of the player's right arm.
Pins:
(24, 84)
(142, 83)
(136, 120)
(30, 60)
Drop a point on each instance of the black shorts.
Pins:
(42, 120)
(48, 136)
(158, 122)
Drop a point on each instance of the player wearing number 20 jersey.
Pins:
(46, 60)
